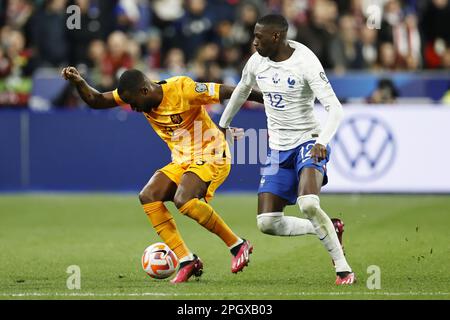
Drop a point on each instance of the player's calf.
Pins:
(277, 224)
(310, 206)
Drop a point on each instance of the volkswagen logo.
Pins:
(363, 148)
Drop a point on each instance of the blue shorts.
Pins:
(280, 174)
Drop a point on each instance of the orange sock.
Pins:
(205, 215)
(165, 226)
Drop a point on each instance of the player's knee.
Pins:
(267, 224)
(309, 204)
(149, 194)
(181, 198)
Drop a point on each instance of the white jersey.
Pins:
(289, 88)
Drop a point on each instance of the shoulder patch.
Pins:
(200, 87)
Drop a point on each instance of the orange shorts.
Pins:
(213, 172)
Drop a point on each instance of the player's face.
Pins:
(140, 104)
(137, 102)
(265, 40)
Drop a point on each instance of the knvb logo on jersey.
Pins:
(364, 148)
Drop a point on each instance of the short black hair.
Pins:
(130, 81)
(275, 20)
(387, 84)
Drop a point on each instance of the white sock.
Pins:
(277, 224)
(189, 257)
(310, 206)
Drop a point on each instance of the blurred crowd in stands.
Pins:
(211, 40)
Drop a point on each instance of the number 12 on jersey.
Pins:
(275, 100)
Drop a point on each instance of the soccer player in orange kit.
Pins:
(174, 108)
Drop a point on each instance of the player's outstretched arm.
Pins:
(91, 96)
(240, 94)
(226, 92)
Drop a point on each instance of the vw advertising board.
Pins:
(390, 149)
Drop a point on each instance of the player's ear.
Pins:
(144, 90)
(276, 36)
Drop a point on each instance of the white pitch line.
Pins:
(161, 294)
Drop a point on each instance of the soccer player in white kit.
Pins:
(290, 77)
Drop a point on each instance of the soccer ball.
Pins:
(159, 261)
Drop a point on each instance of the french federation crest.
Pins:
(291, 82)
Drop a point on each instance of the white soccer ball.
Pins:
(159, 261)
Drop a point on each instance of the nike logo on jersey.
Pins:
(261, 77)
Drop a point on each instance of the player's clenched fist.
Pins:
(71, 74)
(318, 152)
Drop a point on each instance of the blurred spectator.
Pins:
(208, 52)
(224, 33)
(78, 38)
(5, 64)
(385, 93)
(135, 51)
(22, 62)
(387, 59)
(18, 12)
(206, 64)
(127, 13)
(96, 55)
(231, 58)
(175, 62)
(208, 72)
(295, 12)
(436, 29)
(369, 46)
(321, 28)
(345, 50)
(153, 50)
(410, 43)
(196, 27)
(402, 31)
(244, 26)
(15, 66)
(165, 14)
(50, 34)
(105, 11)
(117, 56)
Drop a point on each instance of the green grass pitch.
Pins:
(407, 237)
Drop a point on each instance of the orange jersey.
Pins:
(183, 123)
